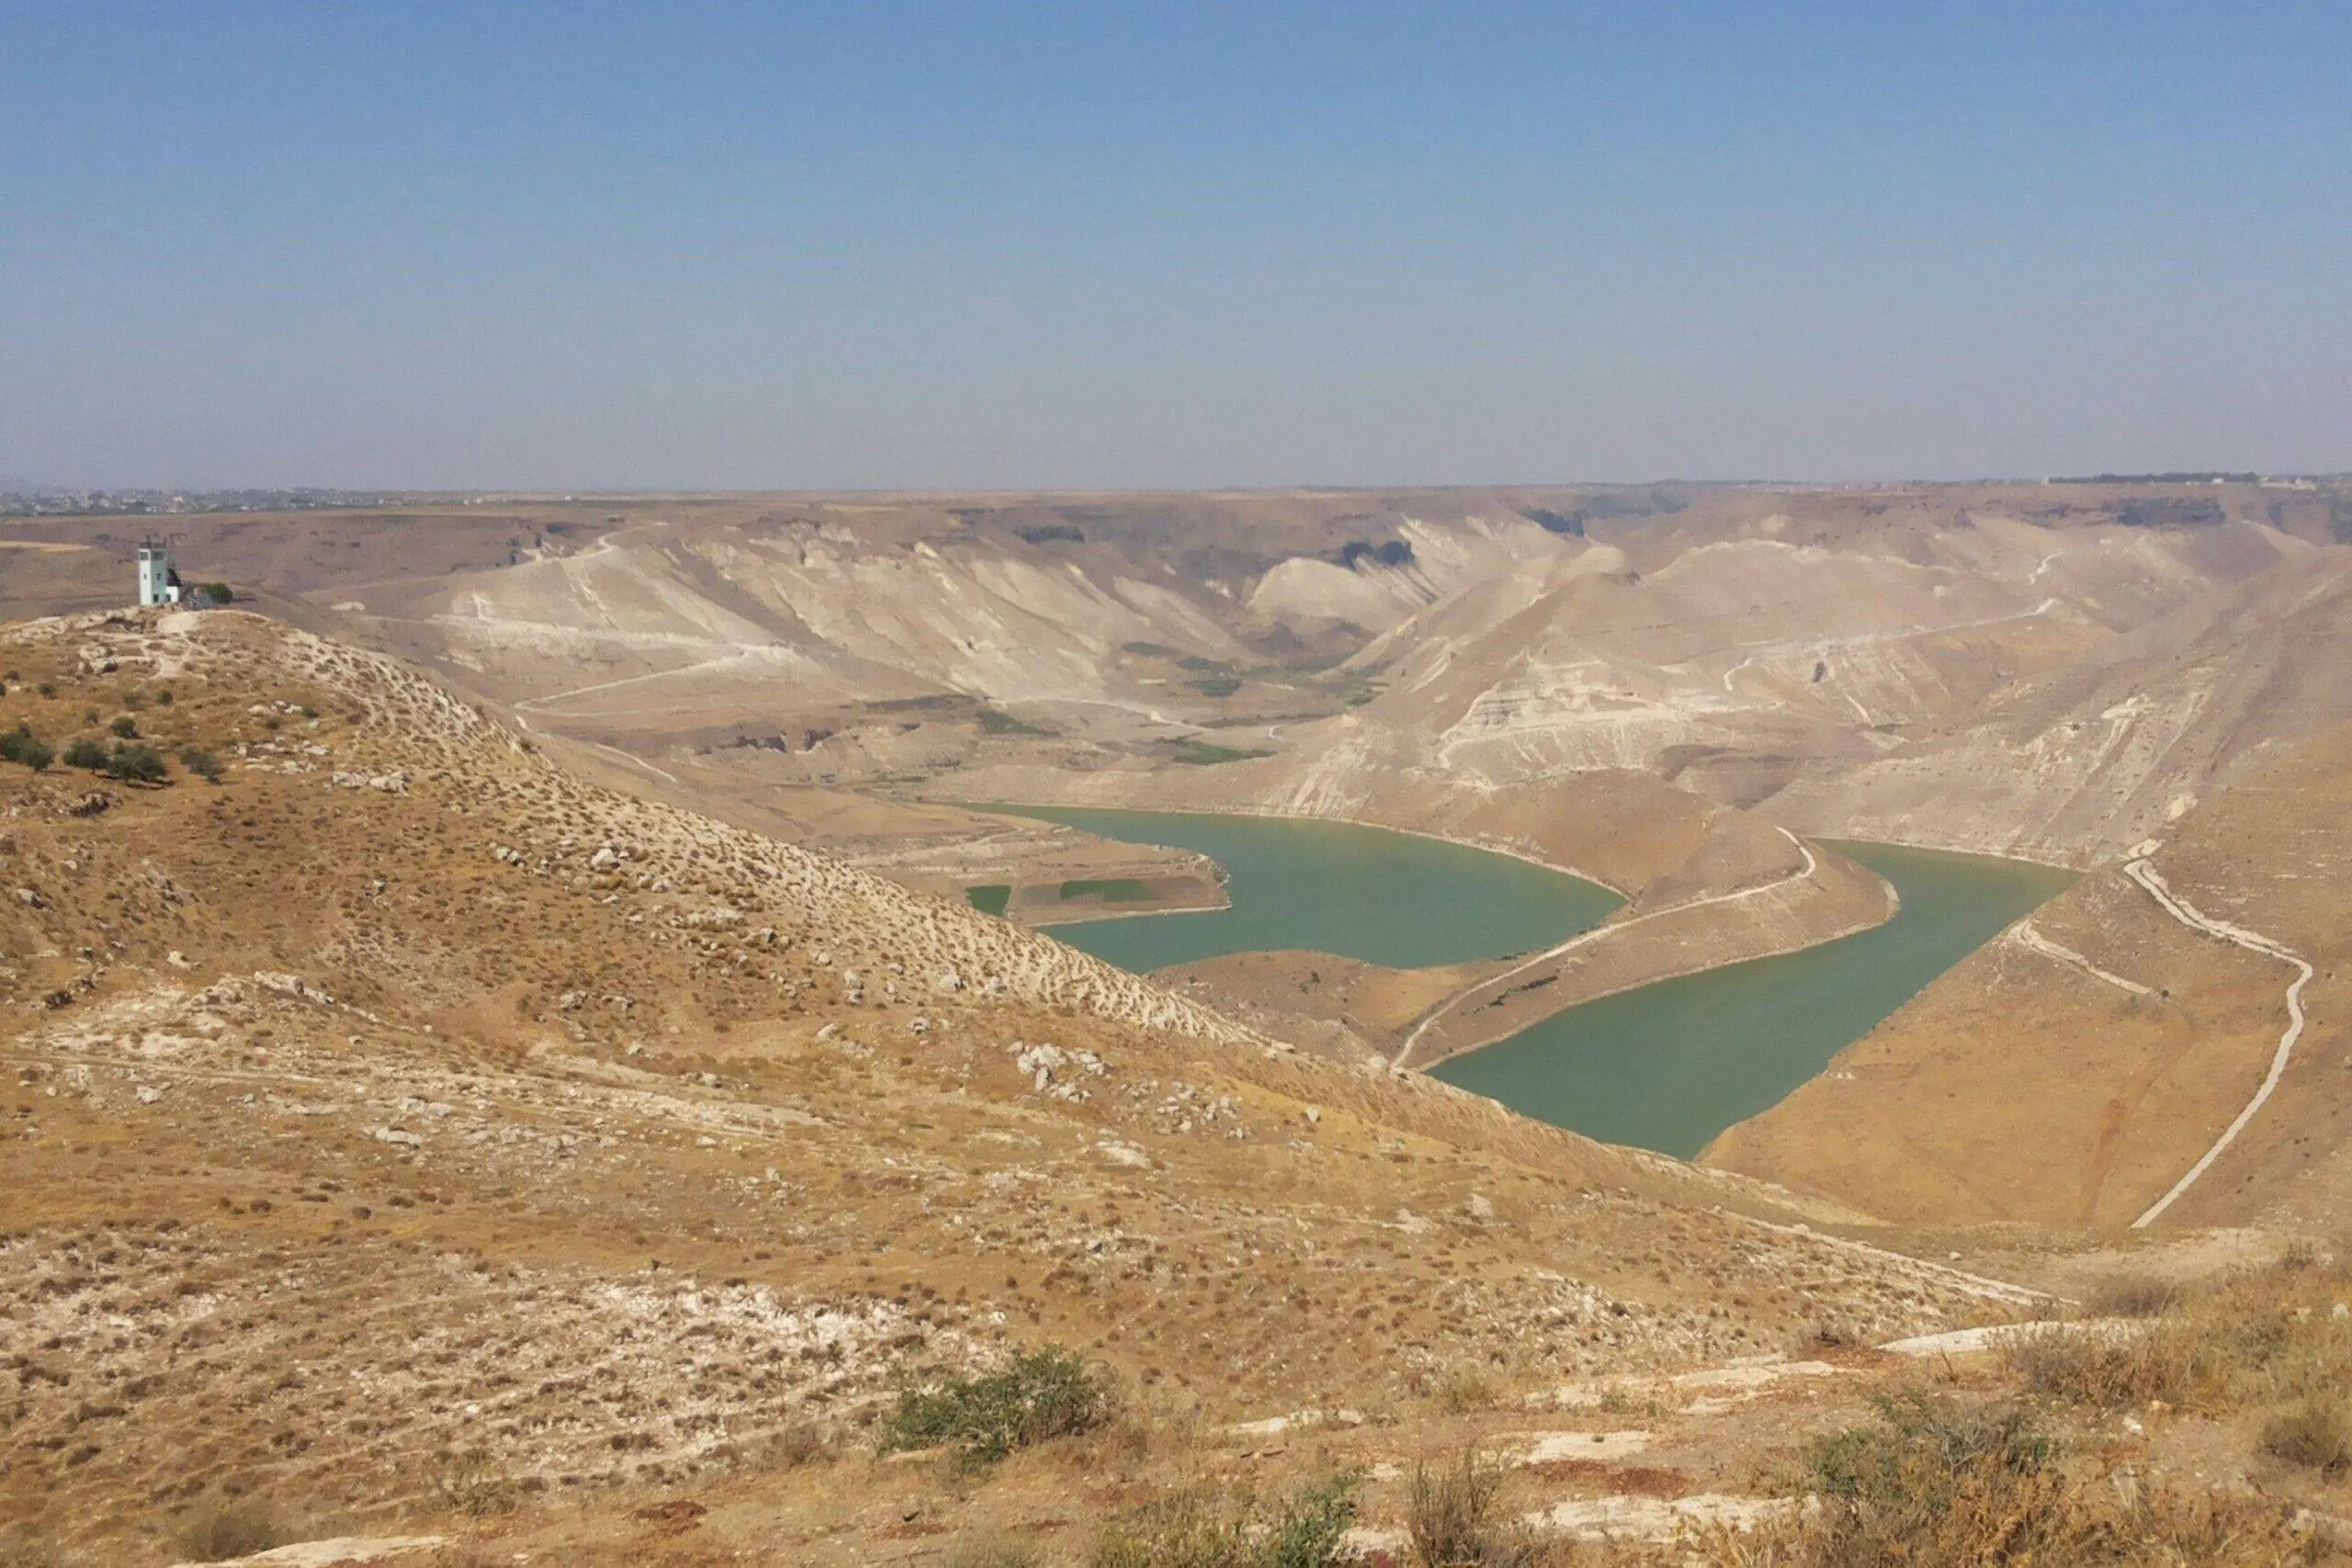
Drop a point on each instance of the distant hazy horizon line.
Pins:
(19, 487)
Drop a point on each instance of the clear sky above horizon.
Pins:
(738, 245)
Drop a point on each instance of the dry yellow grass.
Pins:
(404, 1130)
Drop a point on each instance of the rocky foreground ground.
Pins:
(406, 1135)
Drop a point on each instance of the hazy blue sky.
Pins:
(879, 245)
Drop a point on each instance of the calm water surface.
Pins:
(1387, 899)
(1665, 1067)
(1669, 1066)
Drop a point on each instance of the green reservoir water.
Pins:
(1669, 1066)
(1665, 1067)
(1387, 899)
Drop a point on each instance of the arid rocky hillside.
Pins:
(402, 1121)
(2091, 757)
(1643, 684)
(2076, 1070)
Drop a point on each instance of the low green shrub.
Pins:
(1201, 754)
(138, 762)
(1925, 1445)
(1308, 1531)
(21, 746)
(1201, 1529)
(83, 752)
(995, 721)
(1037, 1395)
(1939, 1484)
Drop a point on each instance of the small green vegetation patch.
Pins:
(1939, 1480)
(1924, 1449)
(135, 761)
(1109, 889)
(1217, 685)
(1034, 1398)
(990, 897)
(1933, 1471)
(936, 702)
(22, 747)
(1201, 1529)
(1201, 754)
(994, 721)
(83, 752)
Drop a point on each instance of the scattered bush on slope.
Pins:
(1037, 1395)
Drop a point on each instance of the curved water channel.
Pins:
(1665, 1067)
(1295, 882)
(1670, 1065)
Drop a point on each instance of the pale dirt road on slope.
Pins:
(2179, 909)
(2033, 940)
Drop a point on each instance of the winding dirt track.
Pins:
(2033, 941)
(1405, 1052)
(2179, 909)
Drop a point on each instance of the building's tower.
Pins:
(158, 582)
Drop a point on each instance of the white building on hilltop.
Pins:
(159, 582)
